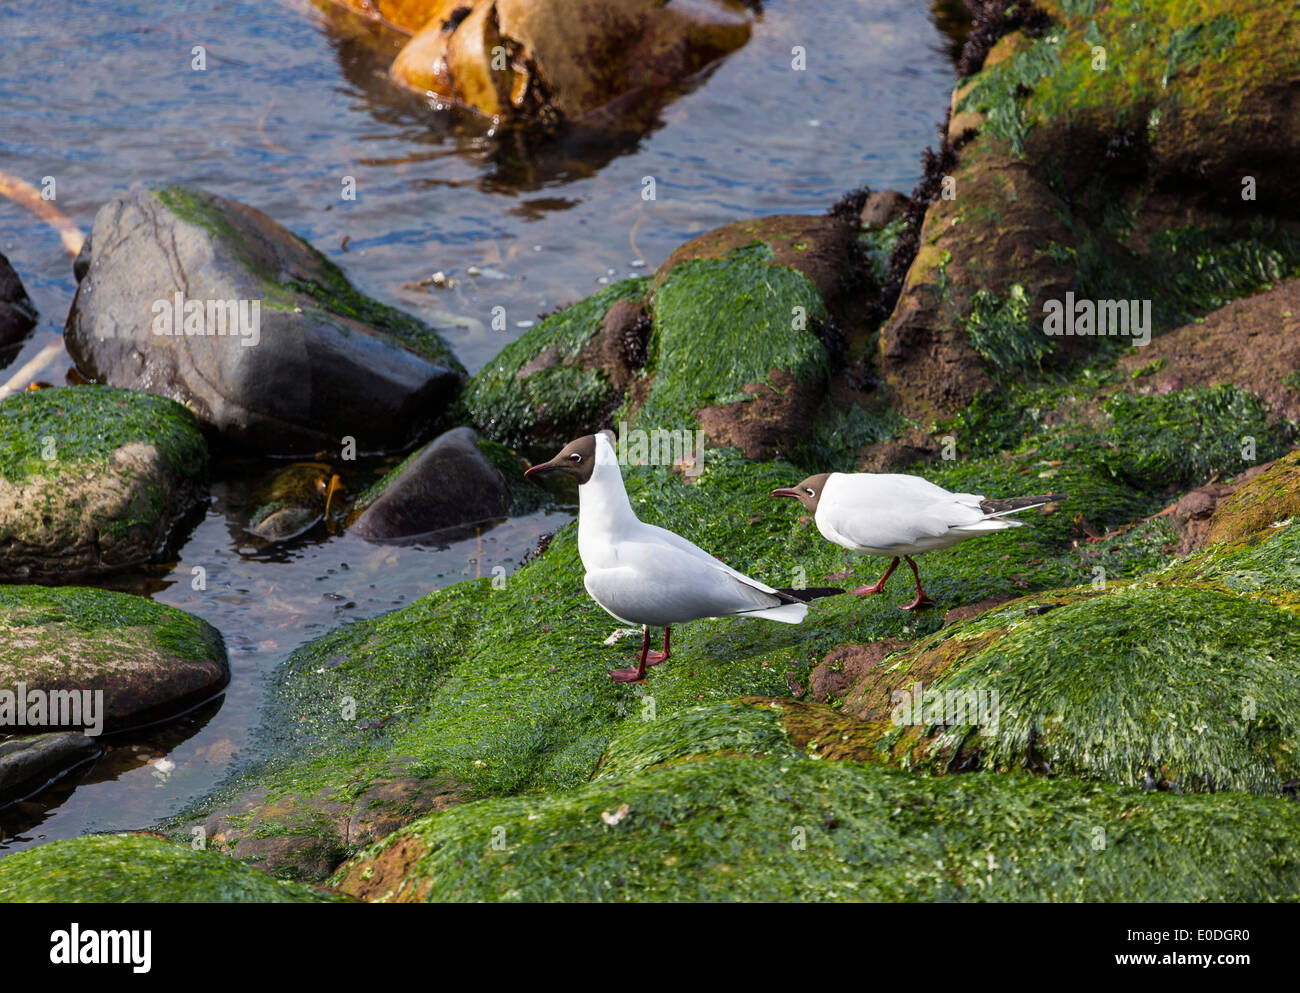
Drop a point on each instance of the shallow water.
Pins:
(101, 96)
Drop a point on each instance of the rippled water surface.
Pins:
(101, 96)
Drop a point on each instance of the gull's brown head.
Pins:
(808, 493)
(576, 459)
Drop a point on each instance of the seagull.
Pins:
(647, 575)
(897, 516)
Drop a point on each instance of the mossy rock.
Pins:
(562, 377)
(266, 340)
(93, 479)
(771, 823)
(1266, 501)
(1117, 183)
(150, 661)
(136, 868)
(1193, 687)
(737, 336)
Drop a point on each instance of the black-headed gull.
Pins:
(642, 574)
(900, 516)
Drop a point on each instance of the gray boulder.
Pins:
(212, 303)
(447, 483)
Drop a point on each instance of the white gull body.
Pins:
(642, 574)
(893, 515)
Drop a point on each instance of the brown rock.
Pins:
(1253, 342)
(832, 678)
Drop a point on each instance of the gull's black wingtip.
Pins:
(811, 593)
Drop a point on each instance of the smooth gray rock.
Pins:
(447, 483)
(322, 362)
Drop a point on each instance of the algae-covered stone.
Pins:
(1268, 500)
(212, 303)
(787, 827)
(1124, 152)
(1183, 682)
(503, 689)
(58, 644)
(737, 336)
(447, 483)
(93, 479)
(31, 762)
(564, 376)
(1252, 343)
(134, 868)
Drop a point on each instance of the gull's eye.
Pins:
(575, 458)
(808, 491)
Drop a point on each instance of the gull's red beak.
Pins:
(786, 493)
(541, 467)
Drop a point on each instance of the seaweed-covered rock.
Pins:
(28, 763)
(564, 376)
(212, 303)
(540, 58)
(752, 818)
(447, 483)
(58, 644)
(1123, 152)
(139, 868)
(17, 315)
(93, 479)
(1179, 681)
(502, 688)
(1265, 501)
(738, 335)
(292, 502)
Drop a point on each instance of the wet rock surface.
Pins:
(540, 59)
(30, 762)
(277, 351)
(17, 315)
(446, 484)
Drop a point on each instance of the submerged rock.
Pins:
(93, 479)
(17, 315)
(304, 361)
(447, 483)
(29, 763)
(537, 58)
(58, 644)
(293, 502)
(139, 868)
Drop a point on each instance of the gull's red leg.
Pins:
(655, 658)
(879, 585)
(921, 599)
(637, 674)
